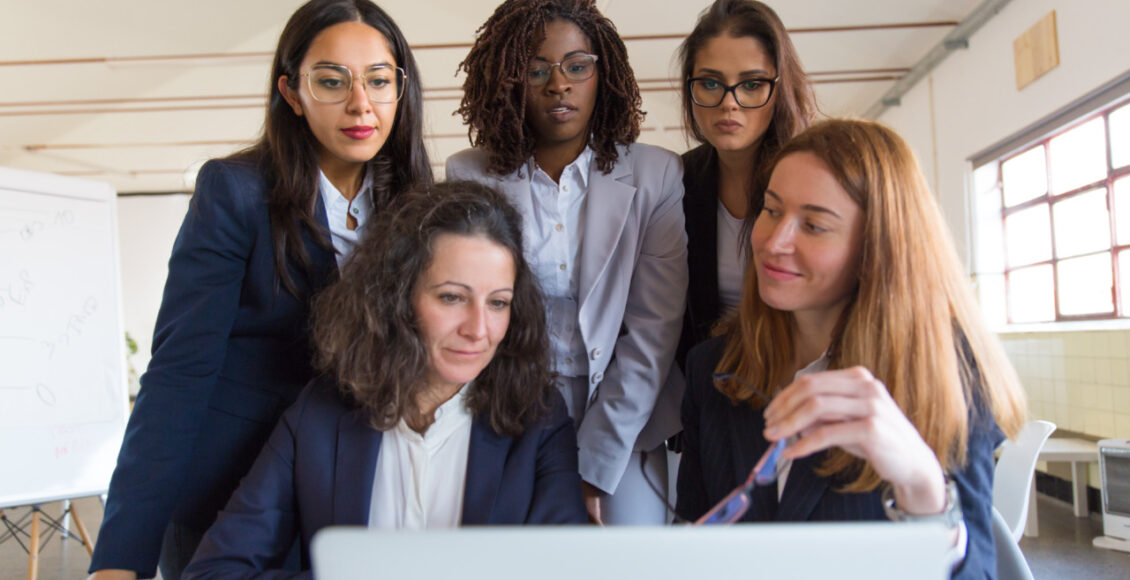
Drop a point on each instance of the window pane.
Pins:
(1085, 285)
(1078, 157)
(1122, 211)
(989, 244)
(1024, 177)
(1082, 224)
(1028, 236)
(1031, 297)
(1120, 137)
(985, 178)
(1124, 281)
(990, 291)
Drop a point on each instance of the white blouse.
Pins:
(419, 479)
(338, 210)
(731, 262)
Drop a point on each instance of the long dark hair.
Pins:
(286, 152)
(795, 104)
(494, 93)
(365, 328)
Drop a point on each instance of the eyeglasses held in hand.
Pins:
(576, 68)
(332, 83)
(766, 471)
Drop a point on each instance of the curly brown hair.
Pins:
(494, 92)
(365, 328)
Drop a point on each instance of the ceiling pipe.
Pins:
(958, 38)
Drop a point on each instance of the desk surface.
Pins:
(1069, 449)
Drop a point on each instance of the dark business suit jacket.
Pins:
(317, 470)
(230, 353)
(700, 206)
(723, 441)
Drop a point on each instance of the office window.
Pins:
(1053, 224)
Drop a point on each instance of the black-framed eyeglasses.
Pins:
(751, 93)
(764, 472)
(575, 68)
(332, 83)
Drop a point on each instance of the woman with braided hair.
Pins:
(553, 111)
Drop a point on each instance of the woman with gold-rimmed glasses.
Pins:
(266, 230)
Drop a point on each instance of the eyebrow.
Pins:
(567, 55)
(330, 63)
(468, 288)
(745, 73)
(807, 206)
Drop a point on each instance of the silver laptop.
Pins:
(774, 551)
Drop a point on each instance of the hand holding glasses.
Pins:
(766, 471)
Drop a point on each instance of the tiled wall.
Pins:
(1079, 380)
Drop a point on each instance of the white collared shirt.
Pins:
(816, 366)
(419, 479)
(553, 236)
(731, 265)
(337, 210)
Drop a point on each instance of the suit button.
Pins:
(597, 377)
(596, 352)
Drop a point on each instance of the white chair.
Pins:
(1011, 564)
(1012, 478)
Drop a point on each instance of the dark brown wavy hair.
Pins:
(286, 153)
(794, 104)
(494, 92)
(365, 330)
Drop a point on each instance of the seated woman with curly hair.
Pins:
(436, 408)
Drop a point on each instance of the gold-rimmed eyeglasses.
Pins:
(575, 68)
(332, 83)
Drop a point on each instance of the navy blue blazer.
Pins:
(230, 353)
(723, 441)
(317, 470)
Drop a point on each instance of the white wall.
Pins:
(975, 101)
(148, 225)
(1077, 379)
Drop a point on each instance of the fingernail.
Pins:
(771, 432)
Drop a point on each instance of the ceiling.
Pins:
(140, 93)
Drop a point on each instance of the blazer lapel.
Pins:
(486, 459)
(803, 490)
(607, 204)
(322, 260)
(358, 446)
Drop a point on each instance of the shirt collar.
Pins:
(331, 196)
(581, 164)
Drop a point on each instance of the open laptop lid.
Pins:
(842, 551)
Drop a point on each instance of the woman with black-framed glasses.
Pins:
(266, 230)
(744, 95)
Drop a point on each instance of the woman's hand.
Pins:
(113, 575)
(853, 410)
(592, 502)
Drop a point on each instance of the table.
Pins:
(1079, 452)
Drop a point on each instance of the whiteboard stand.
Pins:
(27, 528)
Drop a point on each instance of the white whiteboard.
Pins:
(63, 393)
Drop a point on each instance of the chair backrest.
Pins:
(1011, 564)
(1012, 479)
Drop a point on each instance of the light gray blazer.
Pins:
(633, 285)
